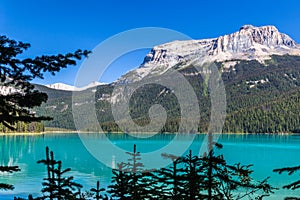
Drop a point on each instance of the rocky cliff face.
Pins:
(249, 43)
(249, 37)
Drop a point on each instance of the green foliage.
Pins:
(17, 73)
(58, 107)
(261, 98)
(16, 107)
(23, 127)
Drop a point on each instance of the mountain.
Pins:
(249, 43)
(260, 69)
(62, 86)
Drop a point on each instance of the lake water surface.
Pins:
(265, 152)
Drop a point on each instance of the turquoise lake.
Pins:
(265, 152)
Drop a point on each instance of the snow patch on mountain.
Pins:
(62, 86)
(252, 84)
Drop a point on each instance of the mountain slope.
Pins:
(262, 84)
(260, 99)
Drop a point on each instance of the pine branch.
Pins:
(4, 186)
(289, 170)
(9, 169)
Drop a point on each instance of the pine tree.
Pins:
(170, 183)
(137, 188)
(130, 180)
(98, 192)
(16, 74)
(192, 177)
(56, 185)
(133, 167)
(224, 181)
(120, 182)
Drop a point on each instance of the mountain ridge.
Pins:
(249, 43)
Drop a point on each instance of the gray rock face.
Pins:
(249, 43)
(249, 36)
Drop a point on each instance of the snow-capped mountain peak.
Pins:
(63, 86)
(249, 43)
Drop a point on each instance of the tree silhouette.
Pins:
(224, 181)
(137, 184)
(170, 180)
(56, 185)
(120, 182)
(186, 178)
(130, 180)
(98, 192)
(192, 174)
(294, 185)
(8, 169)
(16, 74)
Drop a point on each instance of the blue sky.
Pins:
(62, 26)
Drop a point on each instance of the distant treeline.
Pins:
(22, 127)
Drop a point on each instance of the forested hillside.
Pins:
(261, 98)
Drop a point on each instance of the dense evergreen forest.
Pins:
(24, 127)
(261, 98)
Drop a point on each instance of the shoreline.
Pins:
(94, 132)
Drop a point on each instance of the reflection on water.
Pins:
(266, 152)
